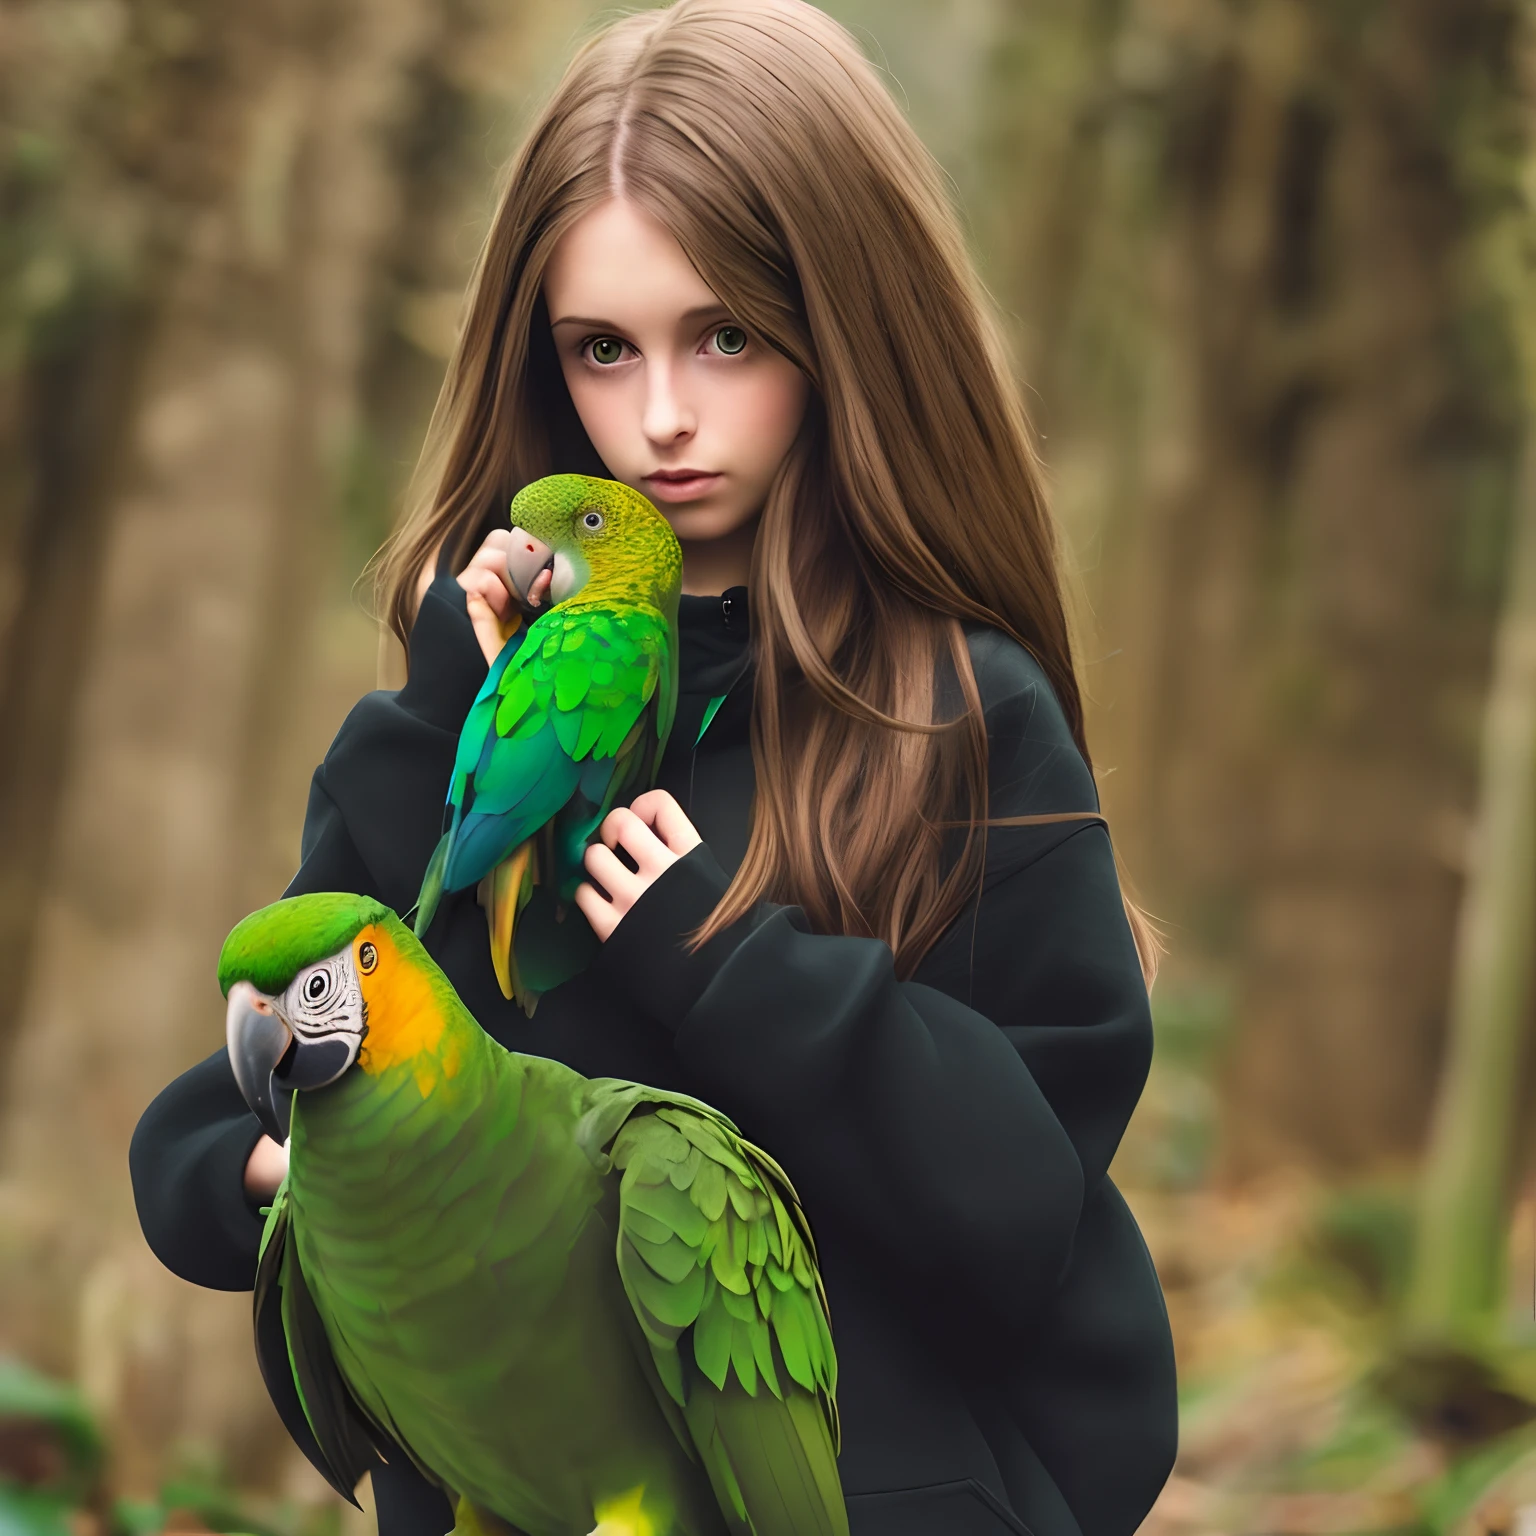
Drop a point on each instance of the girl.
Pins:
(724, 271)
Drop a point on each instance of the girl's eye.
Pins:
(606, 350)
(730, 339)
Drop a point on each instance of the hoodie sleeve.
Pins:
(188, 1154)
(189, 1150)
(956, 1123)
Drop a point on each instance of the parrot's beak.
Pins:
(258, 1039)
(527, 559)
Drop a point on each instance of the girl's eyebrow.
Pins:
(698, 312)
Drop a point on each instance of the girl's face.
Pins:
(680, 401)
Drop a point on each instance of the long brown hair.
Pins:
(759, 135)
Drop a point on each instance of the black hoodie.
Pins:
(1004, 1356)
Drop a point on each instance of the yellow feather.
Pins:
(504, 891)
(624, 1516)
(405, 1020)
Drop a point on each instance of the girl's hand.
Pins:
(655, 833)
(491, 602)
(266, 1168)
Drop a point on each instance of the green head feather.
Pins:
(271, 946)
(631, 553)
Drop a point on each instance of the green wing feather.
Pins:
(592, 673)
(296, 1362)
(571, 718)
(717, 1260)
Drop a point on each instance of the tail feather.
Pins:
(770, 1461)
(432, 885)
(506, 891)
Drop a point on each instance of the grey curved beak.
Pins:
(526, 557)
(258, 1039)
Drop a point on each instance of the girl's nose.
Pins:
(668, 417)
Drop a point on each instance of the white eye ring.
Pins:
(592, 521)
(317, 987)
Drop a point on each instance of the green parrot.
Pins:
(573, 716)
(576, 1303)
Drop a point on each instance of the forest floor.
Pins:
(1304, 1411)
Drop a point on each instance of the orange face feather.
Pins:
(406, 1023)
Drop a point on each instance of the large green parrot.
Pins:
(575, 1303)
(573, 716)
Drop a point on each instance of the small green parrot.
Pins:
(573, 716)
(576, 1303)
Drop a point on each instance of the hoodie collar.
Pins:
(715, 638)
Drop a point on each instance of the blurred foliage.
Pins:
(51, 1454)
(54, 1478)
(1304, 1408)
(1361, 1246)
(1172, 1139)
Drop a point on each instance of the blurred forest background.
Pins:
(1266, 265)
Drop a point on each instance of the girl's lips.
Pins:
(687, 486)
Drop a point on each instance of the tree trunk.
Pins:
(1458, 1275)
(1458, 1263)
(180, 721)
(1285, 441)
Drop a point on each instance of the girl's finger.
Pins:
(623, 885)
(488, 586)
(597, 910)
(622, 828)
(488, 628)
(488, 559)
(493, 552)
(659, 810)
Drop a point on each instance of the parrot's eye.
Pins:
(327, 997)
(592, 521)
